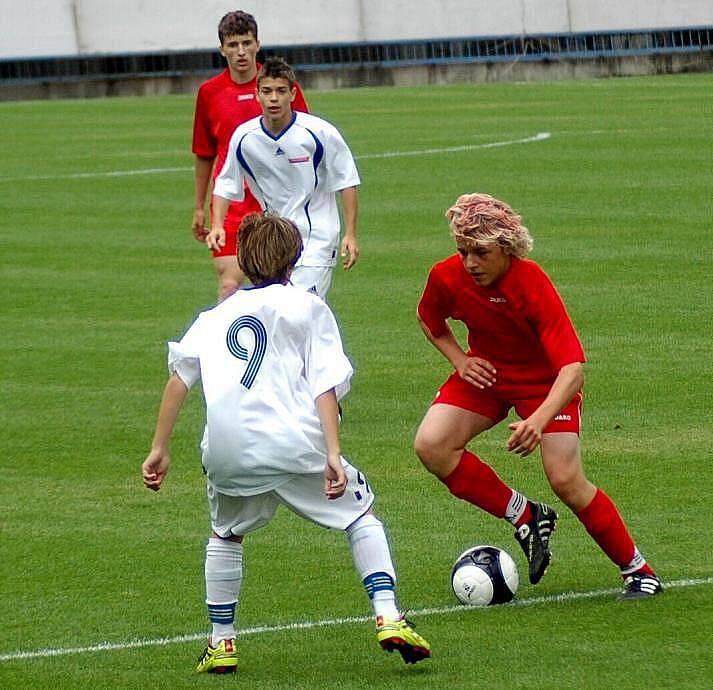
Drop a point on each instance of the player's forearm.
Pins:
(174, 395)
(350, 208)
(569, 381)
(446, 344)
(202, 170)
(328, 411)
(220, 210)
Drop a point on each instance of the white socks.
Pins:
(372, 558)
(223, 577)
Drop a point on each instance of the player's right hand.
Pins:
(155, 468)
(478, 372)
(215, 239)
(198, 225)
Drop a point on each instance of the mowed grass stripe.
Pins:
(564, 597)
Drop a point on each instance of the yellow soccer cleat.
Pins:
(400, 636)
(220, 659)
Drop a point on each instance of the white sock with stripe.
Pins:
(223, 577)
(372, 558)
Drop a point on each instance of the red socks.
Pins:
(603, 522)
(475, 482)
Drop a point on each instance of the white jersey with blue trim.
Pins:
(294, 174)
(263, 356)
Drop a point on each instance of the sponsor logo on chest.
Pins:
(246, 97)
(498, 300)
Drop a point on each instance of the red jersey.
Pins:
(519, 324)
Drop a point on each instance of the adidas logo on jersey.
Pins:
(279, 152)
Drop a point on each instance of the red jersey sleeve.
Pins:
(205, 144)
(555, 328)
(435, 304)
(299, 103)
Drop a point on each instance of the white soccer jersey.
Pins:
(263, 355)
(295, 174)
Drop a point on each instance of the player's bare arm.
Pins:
(527, 433)
(202, 170)
(335, 480)
(350, 207)
(475, 370)
(215, 239)
(155, 468)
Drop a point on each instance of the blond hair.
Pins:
(482, 218)
(268, 248)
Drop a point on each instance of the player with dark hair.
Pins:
(272, 367)
(294, 164)
(224, 102)
(524, 354)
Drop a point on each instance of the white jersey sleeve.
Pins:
(230, 182)
(183, 357)
(326, 365)
(341, 168)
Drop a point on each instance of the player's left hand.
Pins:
(335, 479)
(155, 468)
(350, 251)
(525, 438)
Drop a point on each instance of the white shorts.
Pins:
(303, 495)
(315, 279)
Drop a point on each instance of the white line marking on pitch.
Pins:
(330, 622)
(541, 136)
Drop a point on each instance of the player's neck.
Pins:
(243, 76)
(277, 125)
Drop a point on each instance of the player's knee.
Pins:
(431, 451)
(568, 486)
(227, 287)
(367, 522)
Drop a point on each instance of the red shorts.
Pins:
(236, 212)
(459, 393)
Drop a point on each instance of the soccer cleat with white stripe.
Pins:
(641, 585)
(534, 538)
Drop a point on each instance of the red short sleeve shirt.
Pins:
(520, 324)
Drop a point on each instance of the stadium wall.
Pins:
(65, 48)
(41, 28)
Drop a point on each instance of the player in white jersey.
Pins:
(294, 163)
(272, 367)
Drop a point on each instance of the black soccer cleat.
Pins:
(640, 586)
(534, 538)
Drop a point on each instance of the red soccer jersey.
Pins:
(221, 106)
(520, 324)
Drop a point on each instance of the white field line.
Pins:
(541, 136)
(326, 623)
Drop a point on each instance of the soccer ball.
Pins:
(483, 576)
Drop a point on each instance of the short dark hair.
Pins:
(276, 68)
(235, 23)
(268, 248)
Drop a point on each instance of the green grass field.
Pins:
(99, 269)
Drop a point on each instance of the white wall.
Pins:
(69, 27)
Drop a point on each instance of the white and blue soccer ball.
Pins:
(484, 576)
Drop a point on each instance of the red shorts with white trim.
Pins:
(459, 393)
